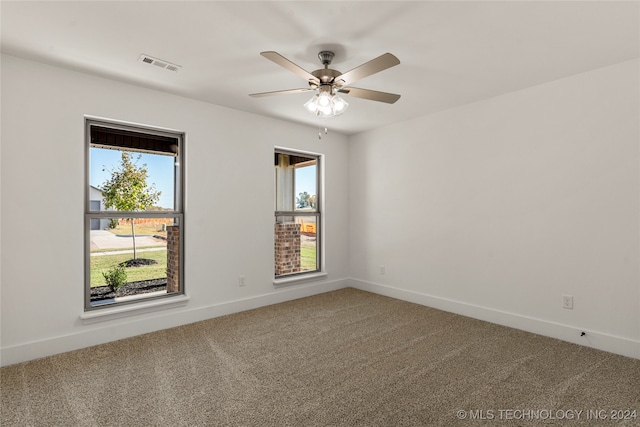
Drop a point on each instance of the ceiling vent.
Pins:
(159, 62)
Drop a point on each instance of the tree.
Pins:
(127, 190)
(303, 200)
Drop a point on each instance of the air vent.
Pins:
(159, 62)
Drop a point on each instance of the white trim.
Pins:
(298, 279)
(296, 151)
(140, 126)
(598, 340)
(120, 311)
(107, 331)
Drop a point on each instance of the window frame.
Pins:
(177, 213)
(318, 213)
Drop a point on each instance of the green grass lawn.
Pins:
(308, 257)
(103, 263)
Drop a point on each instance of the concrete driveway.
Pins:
(102, 239)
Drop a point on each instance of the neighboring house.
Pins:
(97, 204)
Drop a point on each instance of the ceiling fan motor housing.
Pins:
(326, 56)
(326, 75)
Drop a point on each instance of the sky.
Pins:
(306, 180)
(159, 171)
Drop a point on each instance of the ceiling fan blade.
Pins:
(284, 62)
(280, 92)
(376, 65)
(372, 95)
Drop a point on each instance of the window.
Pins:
(297, 213)
(134, 222)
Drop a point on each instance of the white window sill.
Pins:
(103, 315)
(298, 279)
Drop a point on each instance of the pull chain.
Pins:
(320, 131)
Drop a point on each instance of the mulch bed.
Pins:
(138, 262)
(133, 288)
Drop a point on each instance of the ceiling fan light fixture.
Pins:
(326, 104)
(312, 104)
(325, 111)
(324, 99)
(339, 104)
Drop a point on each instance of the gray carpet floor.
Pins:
(344, 358)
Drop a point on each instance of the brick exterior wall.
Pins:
(287, 248)
(173, 258)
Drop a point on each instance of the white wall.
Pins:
(498, 208)
(492, 210)
(229, 161)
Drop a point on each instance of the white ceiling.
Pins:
(451, 53)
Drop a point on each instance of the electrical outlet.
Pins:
(567, 301)
(241, 281)
(382, 269)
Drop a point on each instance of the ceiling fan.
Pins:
(328, 82)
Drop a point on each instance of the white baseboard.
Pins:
(172, 318)
(156, 321)
(594, 339)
